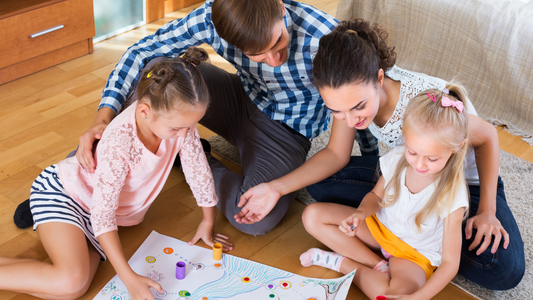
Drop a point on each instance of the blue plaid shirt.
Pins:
(285, 93)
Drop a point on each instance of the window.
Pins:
(117, 16)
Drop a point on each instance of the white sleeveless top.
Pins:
(412, 83)
(399, 218)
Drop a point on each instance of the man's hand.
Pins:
(85, 153)
(260, 200)
(487, 225)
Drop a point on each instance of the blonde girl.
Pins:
(77, 213)
(410, 223)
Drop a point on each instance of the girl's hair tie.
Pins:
(351, 31)
(189, 62)
(149, 74)
(447, 102)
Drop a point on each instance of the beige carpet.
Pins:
(517, 175)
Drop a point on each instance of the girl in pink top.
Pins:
(135, 155)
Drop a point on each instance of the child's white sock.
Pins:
(382, 266)
(318, 257)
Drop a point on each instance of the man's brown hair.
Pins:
(247, 24)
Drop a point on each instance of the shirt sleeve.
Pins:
(388, 162)
(115, 153)
(172, 39)
(461, 200)
(196, 169)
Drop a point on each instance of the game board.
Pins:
(230, 278)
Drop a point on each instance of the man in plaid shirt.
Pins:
(269, 110)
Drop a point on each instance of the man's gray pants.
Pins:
(268, 149)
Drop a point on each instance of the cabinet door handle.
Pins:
(46, 31)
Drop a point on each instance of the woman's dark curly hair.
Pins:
(352, 53)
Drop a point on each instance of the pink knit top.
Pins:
(129, 177)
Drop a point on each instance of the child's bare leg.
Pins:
(365, 278)
(69, 275)
(11, 260)
(406, 277)
(322, 221)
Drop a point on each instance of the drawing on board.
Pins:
(163, 258)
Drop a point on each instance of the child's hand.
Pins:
(350, 224)
(139, 287)
(205, 232)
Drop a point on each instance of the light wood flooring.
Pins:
(44, 114)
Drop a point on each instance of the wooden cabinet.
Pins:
(37, 34)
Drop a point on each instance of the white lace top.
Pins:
(412, 83)
(129, 177)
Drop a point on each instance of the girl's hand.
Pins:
(139, 286)
(350, 224)
(205, 232)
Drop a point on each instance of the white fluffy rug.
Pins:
(517, 175)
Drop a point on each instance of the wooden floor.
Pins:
(42, 118)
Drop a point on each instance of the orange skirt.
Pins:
(396, 247)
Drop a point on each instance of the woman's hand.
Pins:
(139, 286)
(487, 225)
(260, 200)
(205, 232)
(350, 224)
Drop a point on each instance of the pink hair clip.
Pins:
(446, 102)
(432, 97)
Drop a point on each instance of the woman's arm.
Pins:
(138, 286)
(451, 256)
(259, 200)
(324, 163)
(484, 138)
